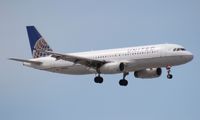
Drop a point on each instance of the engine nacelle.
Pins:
(111, 68)
(148, 73)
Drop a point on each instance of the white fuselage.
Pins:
(135, 58)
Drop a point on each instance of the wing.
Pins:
(78, 60)
(27, 61)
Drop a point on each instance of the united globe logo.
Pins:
(39, 48)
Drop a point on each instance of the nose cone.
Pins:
(188, 56)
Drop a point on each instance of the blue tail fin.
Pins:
(37, 43)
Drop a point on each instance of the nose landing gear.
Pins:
(169, 75)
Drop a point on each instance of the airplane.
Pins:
(145, 61)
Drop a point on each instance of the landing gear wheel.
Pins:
(98, 79)
(169, 76)
(123, 82)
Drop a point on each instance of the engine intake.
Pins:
(148, 73)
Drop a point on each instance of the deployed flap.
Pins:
(26, 61)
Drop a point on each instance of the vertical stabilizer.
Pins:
(37, 43)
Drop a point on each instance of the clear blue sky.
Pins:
(82, 25)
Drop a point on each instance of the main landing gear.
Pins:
(169, 75)
(98, 79)
(124, 82)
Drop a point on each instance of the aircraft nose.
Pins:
(189, 56)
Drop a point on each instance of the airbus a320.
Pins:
(144, 61)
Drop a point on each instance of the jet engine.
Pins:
(113, 67)
(148, 73)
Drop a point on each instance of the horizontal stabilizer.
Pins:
(26, 61)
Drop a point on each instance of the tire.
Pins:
(123, 82)
(98, 79)
(169, 76)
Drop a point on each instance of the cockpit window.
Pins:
(179, 49)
